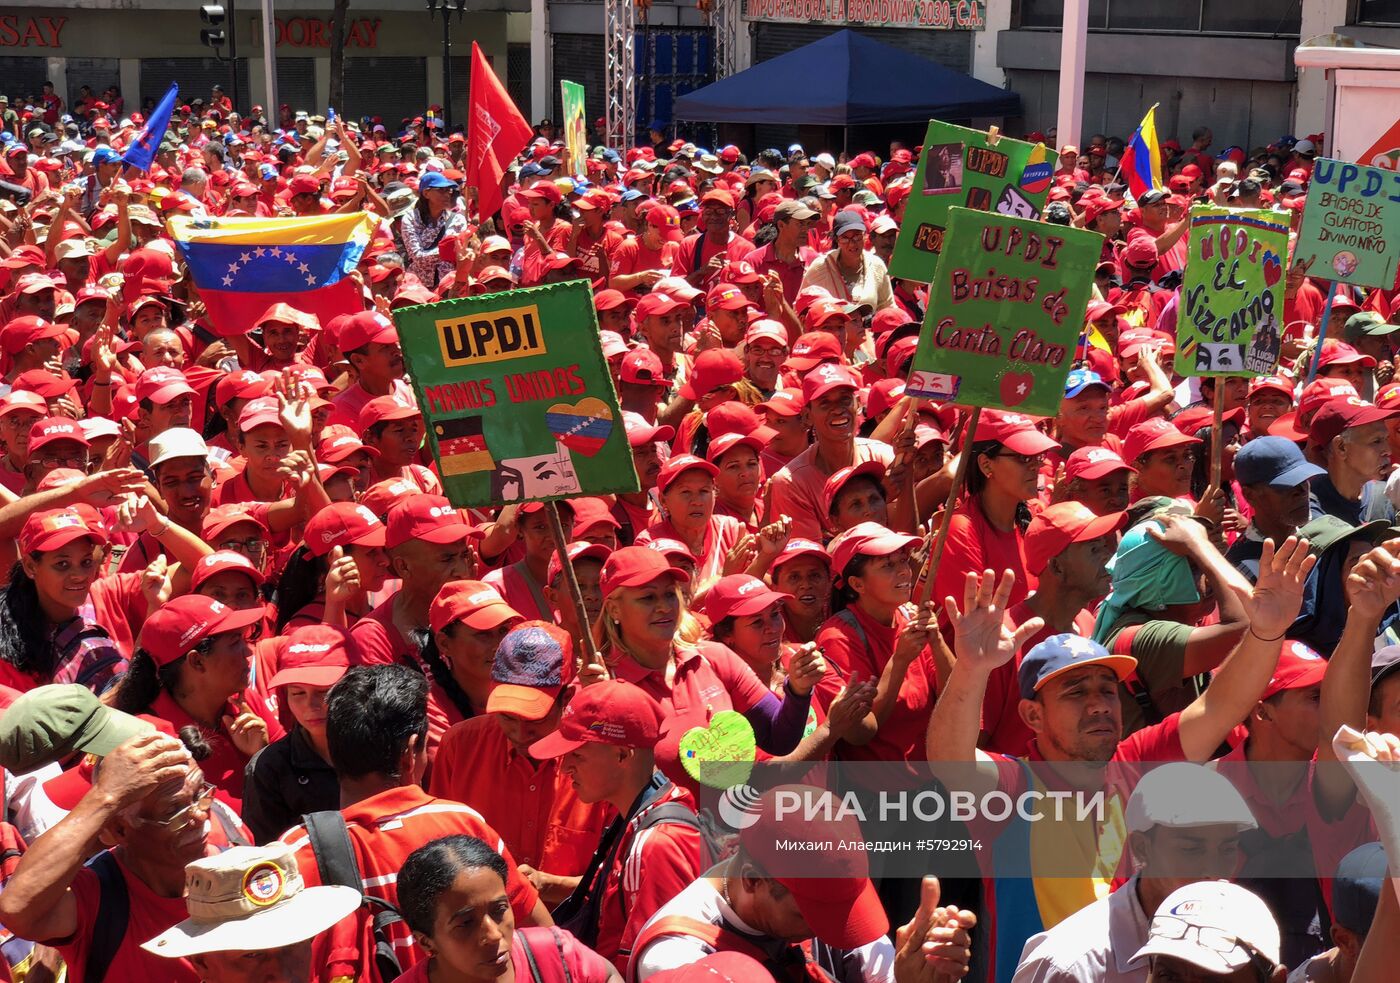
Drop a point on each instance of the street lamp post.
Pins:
(447, 7)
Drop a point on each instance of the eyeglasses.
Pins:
(1214, 939)
(1025, 460)
(203, 802)
(248, 547)
(79, 461)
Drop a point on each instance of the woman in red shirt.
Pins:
(987, 528)
(686, 486)
(875, 636)
(739, 478)
(641, 643)
(803, 572)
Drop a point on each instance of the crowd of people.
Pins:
(276, 710)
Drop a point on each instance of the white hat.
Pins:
(1182, 795)
(251, 898)
(825, 160)
(1212, 925)
(883, 224)
(72, 249)
(177, 442)
(99, 426)
(1304, 147)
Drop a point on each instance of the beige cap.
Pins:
(251, 897)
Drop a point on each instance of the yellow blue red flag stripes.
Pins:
(1141, 163)
(242, 266)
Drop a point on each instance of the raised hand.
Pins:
(772, 538)
(933, 946)
(342, 577)
(298, 468)
(806, 668)
(981, 635)
(1272, 603)
(1180, 534)
(1373, 584)
(141, 765)
(916, 634)
(155, 583)
(737, 560)
(294, 410)
(851, 706)
(247, 731)
(595, 670)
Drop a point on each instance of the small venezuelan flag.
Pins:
(242, 266)
(1141, 163)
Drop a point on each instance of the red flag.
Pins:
(496, 132)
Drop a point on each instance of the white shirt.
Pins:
(871, 963)
(1093, 945)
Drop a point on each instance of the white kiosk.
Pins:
(1363, 102)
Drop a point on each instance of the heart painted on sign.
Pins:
(721, 754)
(583, 427)
(1016, 387)
(1273, 269)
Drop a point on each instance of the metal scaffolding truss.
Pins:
(728, 37)
(620, 71)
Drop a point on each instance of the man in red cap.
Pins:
(1348, 437)
(1154, 211)
(703, 255)
(486, 761)
(605, 737)
(32, 342)
(370, 343)
(829, 396)
(660, 323)
(393, 430)
(650, 255)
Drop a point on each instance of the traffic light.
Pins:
(214, 35)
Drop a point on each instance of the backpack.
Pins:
(798, 968)
(579, 911)
(335, 858)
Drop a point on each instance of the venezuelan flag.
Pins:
(1141, 163)
(242, 266)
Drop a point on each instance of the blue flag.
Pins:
(142, 150)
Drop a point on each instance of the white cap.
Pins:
(1304, 147)
(825, 160)
(177, 442)
(494, 244)
(99, 426)
(1212, 925)
(72, 249)
(1183, 795)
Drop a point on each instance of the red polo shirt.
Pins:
(384, 829)
(532, 804)
(224, 768)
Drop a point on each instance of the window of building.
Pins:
(1262, 17)
(1382, 12)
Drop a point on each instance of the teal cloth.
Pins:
(1146, 575)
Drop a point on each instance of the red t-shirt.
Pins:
(765, 258)
(515, 585)
(688, 262)
(974, 545)
(532, 804)
(225, 766)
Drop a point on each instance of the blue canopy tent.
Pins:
(845, 79)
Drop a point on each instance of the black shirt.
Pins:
(284, 781)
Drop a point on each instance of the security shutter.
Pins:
(197, 76)
(580, 58)
(518, 73)
(390, 88)
(96, 73)
(296, 84)
(23, 78)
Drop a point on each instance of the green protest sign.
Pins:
(968, 169)
(1004, 313)
(516, 396)
(575, 126)
(1351, 212)
(1231, 320)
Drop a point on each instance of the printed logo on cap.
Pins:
(63, 520)
(193, 632)
(485, 597)
(309, 648)
(1301, 651)
(750, 587)
(1097, 454)
(264, 884)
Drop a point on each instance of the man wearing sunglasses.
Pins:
(1212, 932)
(149, 805)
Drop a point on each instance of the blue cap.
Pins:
(1060, 653)
(1274, 461)
(268, 172)
(1356, 889)
(658, 125)
(795, 148)
(531, 169)
(1081, 379)
(435, 179)
(105, 155)
(611, 156)
(631, 194)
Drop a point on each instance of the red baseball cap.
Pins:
(1340, 353)
(642, 367)
(636, 566)
(784, 402)
(224, 561)
(726, 297)
(1014, 431)
(656, 305)
(364, 328)
(25, 330)
(724, 443)
(1335, 416)
(1299, 667)
(1315, 395)
(339, 442)
(739, 271)
(606, 300)
(678, 465)
(812, 349)
(175, 628)
(1194, 418)
(1141, 251)
(1092, 463)
(712, 369)
(1153, 435)
(55, 528)
(826, 377)
(240, 384)
(610, 712)
(475, 603)
(343, 524)
(430, 518)
(842, 477)
(1270, 383)
(260, 412)
(383, 408)
(580, 550)
(740, 595)
(1062, 525)
(52, 429)
(735, 417)
(23, 399)
(162, 384)
(314, 655)
(767, 329)
(865, 539)
(801, 547)
(641, 433)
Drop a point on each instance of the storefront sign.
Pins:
(517, 397)
(1232, 298)
(315, 32)
(31, 32)
(1004, 313)
(937, 15)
